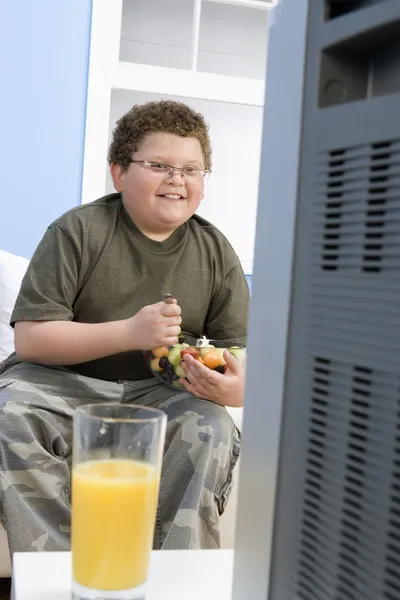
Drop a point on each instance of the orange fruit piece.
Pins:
(200, 360)
(160, 352)
(211, 359)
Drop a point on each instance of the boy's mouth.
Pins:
(172, 196)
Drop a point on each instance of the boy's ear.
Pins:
(118, 176)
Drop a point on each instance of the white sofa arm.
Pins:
(12, 270)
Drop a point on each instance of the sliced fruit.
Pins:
(192, 351)
(205, 350)
(159, 352)
(237, 352)
(179, 372)
(155, 364)
(200, 360)
(211, 359)
(174, 355)
(220, 352)
(164, 362)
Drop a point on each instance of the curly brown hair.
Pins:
(166, 116)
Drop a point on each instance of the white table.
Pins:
(174, 575)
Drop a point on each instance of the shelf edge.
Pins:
(189, 84)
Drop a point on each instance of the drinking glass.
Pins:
(117, 458)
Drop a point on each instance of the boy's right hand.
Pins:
(154, 325)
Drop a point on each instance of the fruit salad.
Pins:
(166, 362)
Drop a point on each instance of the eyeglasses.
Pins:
(190, 173)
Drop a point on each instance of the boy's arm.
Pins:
(45, 331)
(70, 343)
(227, 318)
(227, 321)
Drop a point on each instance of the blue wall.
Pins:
(44, 51)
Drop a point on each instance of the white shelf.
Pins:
(156, 32)
(196, 33)
(233, 41)
(178, 82)
(226, 37)
(260, 4)
(104, 48)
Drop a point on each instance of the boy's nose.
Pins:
(176, 175)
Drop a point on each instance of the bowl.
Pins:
(166, 363)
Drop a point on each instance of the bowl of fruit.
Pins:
(166, 362)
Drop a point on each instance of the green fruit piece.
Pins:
(237, 352)
(220, 353)
(179, 372)
(174, 355)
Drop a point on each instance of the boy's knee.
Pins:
(27, 432)
(208, 426)
(215, 417)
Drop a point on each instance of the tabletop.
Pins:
(174, 574)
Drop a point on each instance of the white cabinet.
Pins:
(156, 32)
(210, 54)
(232, 40)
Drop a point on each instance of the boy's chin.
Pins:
(177, 215)
(174, 223)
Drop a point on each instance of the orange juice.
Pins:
(113, 514)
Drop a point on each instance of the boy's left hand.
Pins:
(226, 389)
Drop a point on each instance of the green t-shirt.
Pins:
(94, 265)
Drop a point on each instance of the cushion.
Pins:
(12, 270)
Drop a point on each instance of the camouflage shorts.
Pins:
(36, 408)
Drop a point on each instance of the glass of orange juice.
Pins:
(117, 458)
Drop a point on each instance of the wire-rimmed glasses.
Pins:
(165, 171)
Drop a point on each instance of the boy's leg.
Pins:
(35, 448)
(201, 450)
(36, 407)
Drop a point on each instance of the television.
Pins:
(319, 490)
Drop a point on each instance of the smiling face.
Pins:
(159, 204)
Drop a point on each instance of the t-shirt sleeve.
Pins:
(49, 288)
(228, 314)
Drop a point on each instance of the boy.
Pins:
(91, 302)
